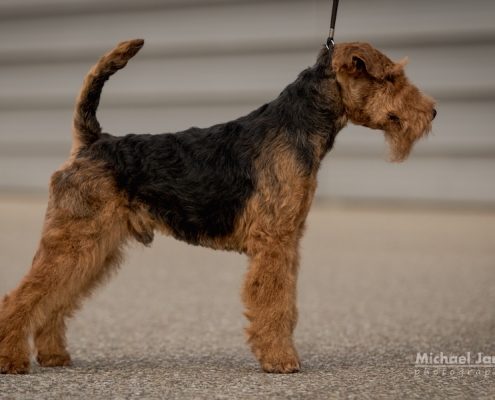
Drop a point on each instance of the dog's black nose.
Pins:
(434, 113)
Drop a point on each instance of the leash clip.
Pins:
(330, 44)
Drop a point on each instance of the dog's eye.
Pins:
(393, 118)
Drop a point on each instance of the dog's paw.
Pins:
(14, 366)
(278, 359)
(54, 360)
(286, 366)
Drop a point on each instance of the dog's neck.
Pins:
(310, 110)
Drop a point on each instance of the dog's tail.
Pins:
(86, 128)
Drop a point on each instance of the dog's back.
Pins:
(196, 183)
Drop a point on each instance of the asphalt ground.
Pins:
(376, 287)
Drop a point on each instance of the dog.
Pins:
(245, 185)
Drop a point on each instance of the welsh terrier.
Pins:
(245, 185)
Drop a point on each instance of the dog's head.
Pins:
(377, 94)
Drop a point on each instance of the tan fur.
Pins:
(82, 237)
(108, 65)
(373, 87)
(271, 228)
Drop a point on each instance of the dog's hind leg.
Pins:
(75, 254)
(49, 339)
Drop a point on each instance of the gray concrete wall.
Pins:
(210, 61)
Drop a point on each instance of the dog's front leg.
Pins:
(270, 298)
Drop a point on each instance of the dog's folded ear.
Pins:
(360, 58)
(361, 61)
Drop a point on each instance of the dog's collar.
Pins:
(330, 42)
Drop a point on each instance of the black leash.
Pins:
(330, 42)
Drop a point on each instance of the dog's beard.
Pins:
(401, 142)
